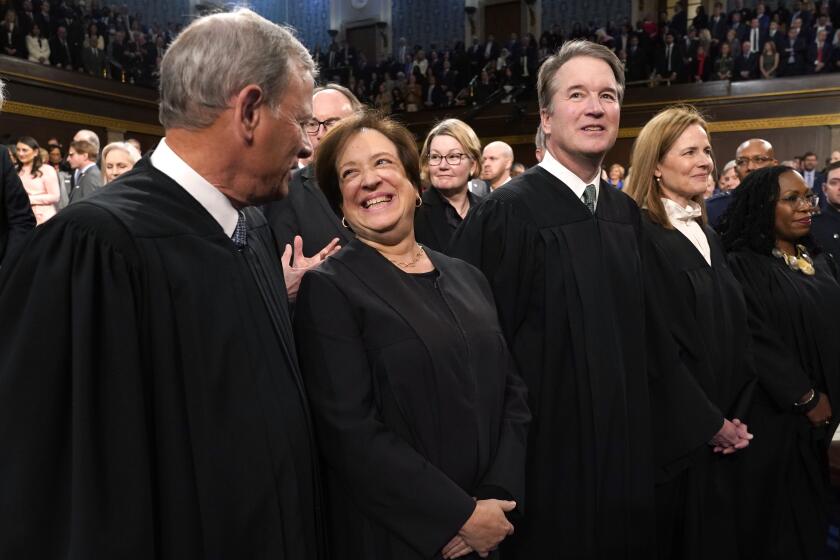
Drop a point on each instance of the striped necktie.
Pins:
(588, 198)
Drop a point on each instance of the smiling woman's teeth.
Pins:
(375, 201)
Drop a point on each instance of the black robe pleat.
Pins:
(706, 316)
(783, 480)
(416, 402)
(151, 404)
(571, 297)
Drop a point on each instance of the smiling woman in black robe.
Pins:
(417, 407)
(793, 300)
(706, 317)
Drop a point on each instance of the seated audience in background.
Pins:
(728, 177)
(39, 179)
(86, 178)
(750, 155)
(61, 52)
(496, 161)
(769, 60)
(686, 267)
(669, 59)
(793, 301)
(792, 54)
(746, 65)
(450, 158)
(813, 177)
(701, 66)
(93, 53)
(615, 177)
(118, 158)
(818, 59)
(12, 38)
(826, 225)
(16, 218)
(401, 349)
(38, 46)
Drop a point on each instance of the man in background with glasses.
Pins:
(303, 222)
(753, 154)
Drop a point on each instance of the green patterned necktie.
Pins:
(588, 198)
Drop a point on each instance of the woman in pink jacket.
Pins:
(39, 180)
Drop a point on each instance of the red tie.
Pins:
(819, 52)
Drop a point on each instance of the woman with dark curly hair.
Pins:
(793, 301)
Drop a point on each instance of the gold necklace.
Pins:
(801, 262)
(412, 262)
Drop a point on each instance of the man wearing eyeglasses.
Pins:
(825, 227)
(753, 154)
(303, 222)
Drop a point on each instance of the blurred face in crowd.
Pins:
(684, 170)
(583, 123)
(77, 160)
(495, 163)
(710, 186)
(793, 210)
(729, 180)
(378, 200)
(116, 164)
(328, 106)
(809, 163)
(753, 154)
(55, 155)
(24, 153)
(446, 176)
(835, 156)
(832, 188)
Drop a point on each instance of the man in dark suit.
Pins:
(738, 26)
(818, 59)
(826, 225)
(792, 55)
(718, 23)
(305, 212)
(12, 37)
(745, 66)
(86, 176)
(491, 49)
(813, 177)
(61, 54)
(669, 59)
(637, 61)
(679, 23)
(16, 218)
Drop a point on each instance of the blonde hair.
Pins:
(649, 149)
(460, 131)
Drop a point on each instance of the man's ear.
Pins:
(246, 110)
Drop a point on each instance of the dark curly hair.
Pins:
(750, 220)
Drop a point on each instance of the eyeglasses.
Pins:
(451, 159)
(809, 200)
(757, 160)
(311, 127)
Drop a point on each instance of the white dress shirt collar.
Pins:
(568, 178)
(217, 205)
(684, 220)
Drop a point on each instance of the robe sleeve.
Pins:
(504, 248)
(778, 371)
(684, 418)
(387, 478)
(75, 474)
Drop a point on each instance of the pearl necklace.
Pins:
(801, 262)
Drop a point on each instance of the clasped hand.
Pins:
(483, 531)
(731, 437)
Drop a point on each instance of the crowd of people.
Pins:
(104, 41)
(545, 364)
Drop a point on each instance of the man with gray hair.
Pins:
(151, 404)
(16, 218)
(562, 251)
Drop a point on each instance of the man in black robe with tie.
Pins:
(151, 404)
(562, 252)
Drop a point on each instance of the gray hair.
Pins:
(88, 136)
(539, 138)
(133, 153)
(218, 55)
(729, 165)
(2, 93)
(546, 82)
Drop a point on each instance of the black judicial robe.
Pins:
(432, 226)
(571, 298)
(151, 404)
(783, 485)
(706, 316)
(416, 403)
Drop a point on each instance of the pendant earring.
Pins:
(344, 222)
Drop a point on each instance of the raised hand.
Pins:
(295, 268)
